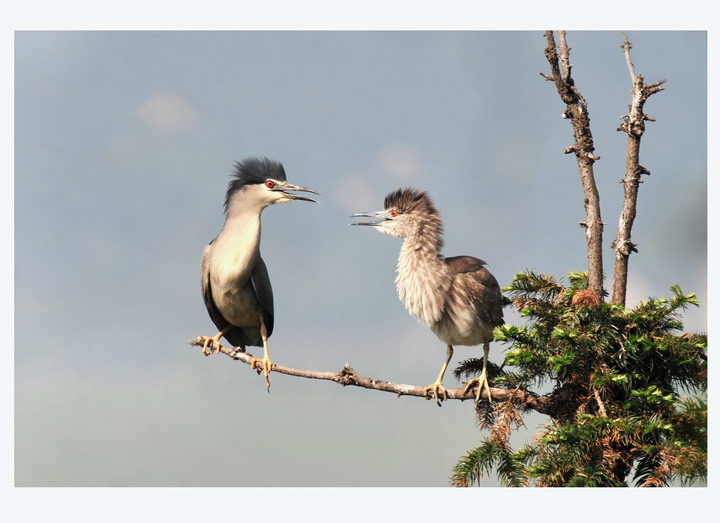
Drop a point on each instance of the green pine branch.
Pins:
(618, 413)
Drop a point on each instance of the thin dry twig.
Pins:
(347, 376)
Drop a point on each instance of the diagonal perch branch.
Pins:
(347, 376)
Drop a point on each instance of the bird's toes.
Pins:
(210, 345)
(469, 386)
(262, 366)
(481, 384)
(268, 367)
(439, 393)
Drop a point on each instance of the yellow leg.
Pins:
(265, 363)
(482, 380)
(216, 340)
(437, 387)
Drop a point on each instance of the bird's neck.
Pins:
(422, 275)
(244, 228)
(238, 245)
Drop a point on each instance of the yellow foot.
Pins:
(437, 390)
(261, 365)
(208, 343)
(481, 382)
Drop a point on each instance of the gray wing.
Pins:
(234, 336)
(482, 287)
(263, 290)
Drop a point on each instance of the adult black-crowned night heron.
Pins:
(235, 282)
(458, 298)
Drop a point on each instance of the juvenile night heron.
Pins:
(235, 282)
(457, 297)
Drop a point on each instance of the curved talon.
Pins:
(481, 381)
(262, 365)
(437, 390)
(215, 339)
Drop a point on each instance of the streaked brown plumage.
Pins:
(457, 297)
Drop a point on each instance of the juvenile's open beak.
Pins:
(380, 217)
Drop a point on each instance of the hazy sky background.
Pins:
(124, 142)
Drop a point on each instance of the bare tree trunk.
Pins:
(634, 126)
(583, 148)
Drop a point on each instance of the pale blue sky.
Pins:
(123, 146)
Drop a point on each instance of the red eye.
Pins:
(269, 184)
(393, 213)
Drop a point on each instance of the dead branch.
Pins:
(347, 376)
(576, 110)
(600, 404)
(634, 125)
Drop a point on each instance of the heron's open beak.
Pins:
(290, 187)
(380, 217)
